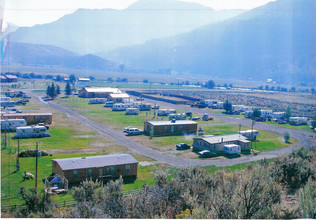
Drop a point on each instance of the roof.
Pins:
(95, 161)
(119, 95)
(11, 76)
(26, 114)
(102, 90)
(84, 79)
(3, 77)
(215, 139)
(177, 122)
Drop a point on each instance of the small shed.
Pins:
(103, 167)
(174, 127)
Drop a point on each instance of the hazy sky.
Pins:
(31, 12)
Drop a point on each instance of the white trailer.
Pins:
(238, 107)
(120, 106)
(12, 124)
(297, 120)
(219, 105)
(249, 134)
(32, 132)
(266, 113)
(5, 99)
(181, 116)
(108, 104)
(97, 101)
(210, 102)
(232, 149)
(7, 104)
(132, 111)
(279, 115)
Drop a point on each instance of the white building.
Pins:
(297, 120)
(279, 115)
(12, 124)
(31, 132)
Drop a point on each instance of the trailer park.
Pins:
(71, 151)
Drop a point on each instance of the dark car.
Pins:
(281, 122)
(182, 146)
(206, 154)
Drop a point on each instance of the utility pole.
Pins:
(252, 133)
(36, 166)
(18, 158)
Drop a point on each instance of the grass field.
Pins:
(299, 127)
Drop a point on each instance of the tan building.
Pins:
(103, 168)
(174, 127)
(215, 143)
(98, 92)
(30, 118)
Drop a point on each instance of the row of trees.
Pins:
(54, 90)
(256, 192)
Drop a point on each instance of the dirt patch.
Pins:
(147, 163)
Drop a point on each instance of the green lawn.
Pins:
(299, 127)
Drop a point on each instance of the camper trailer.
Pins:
(249, 134)
(120, 106)
(109, 104)
(279, 115)
(166, 112)
(181, 116)
(7, 104)
(97, 101)
(132, 111)
(12, 124)
(266, 113)
(32, 132)
(5, 99)
(232, 149)
(297, 120)
(211, 103)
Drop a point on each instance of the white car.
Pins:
(126, 129)
(134, 131)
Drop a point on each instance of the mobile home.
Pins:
(166, 112)
(7, 104)
(279, 115)
(174, 127)
(5, 99)
(32, 132)
(211, 103)
(12, 124)
(249, 134)
(297, 120)
(108, 104)
(132, 111)
(266, 113)
(181, 116)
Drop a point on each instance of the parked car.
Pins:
(195, 118)
(182, 146)
(281, 122)
(134, 131)
(155, 107)
(260, 119)
(140, 99)
(206, 154)
(126, 129)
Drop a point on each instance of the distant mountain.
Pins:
(50, 56)
(275, 41)
(99, 30)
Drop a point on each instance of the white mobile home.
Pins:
(12, 124)
(97, 101)
(246, 108)
(132, 111)
(279, 115)
(210, 102)
(4, 98)
(249, 134)
(232, 149)
(142, 106)
(219, 105)
(238, 107)
(31, 132)
(120, 106)
(7, 104)
(109, 104)
(266, 113)
(297, 120)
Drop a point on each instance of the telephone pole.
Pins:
(36, 166)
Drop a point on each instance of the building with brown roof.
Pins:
(30, 118)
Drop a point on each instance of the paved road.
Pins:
(121, 139)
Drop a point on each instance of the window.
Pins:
(112, 170)
(24, 117)
(101, 172)
(75, 173)
(90, 172)
(35, 117)
(108, 171)
(128, 168)
(47, 117)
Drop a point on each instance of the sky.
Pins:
(32, 12)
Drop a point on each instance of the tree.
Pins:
(52, 92)
(314, 122)
(288, 114)
(48, 89)
(227, 106)
(68, 89)
(72, 78)
(256, 113)
(91, 77)
(57, 90)
(210, 84)
(145, 81)
(286, 137)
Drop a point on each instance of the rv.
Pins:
(238, 107)
(97, 101)
(219, 105)
(132, 111)
(181, 116)
(7, 104)
(249, 134)
(211, 103)
(166, 112)
(120, 106)
(279, 115)
(297, 120)
(142, 106)
(31, 132)
(108, 104)
(248, 114)
(266, 113)
(5, 99)
(232, 149)
(12, 124)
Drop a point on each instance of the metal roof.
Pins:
(95, 161)
(102, 90)
(216, 139)
(177, 122)
(26, 114)
(11, 76)
(119, 95)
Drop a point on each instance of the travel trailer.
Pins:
(97, 101)
(32, 132)
(109, 104)
(181, 116)
(120, 106)
(232, 149)
(166, 112)
(297, 120)
(132, 111)
(249, 134)
(12, 124)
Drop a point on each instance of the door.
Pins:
(172, 128)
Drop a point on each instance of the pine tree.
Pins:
(68, 89)
(57, 90)
(52, 92)
(48, 90)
